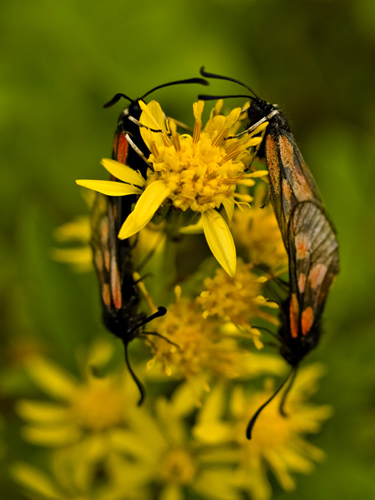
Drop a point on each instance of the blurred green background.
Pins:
(61, 61)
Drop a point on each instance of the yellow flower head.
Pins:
(174, 461)
(194, 174)
(278, 443)
(202, 349)
(81, 411)
(237, 299)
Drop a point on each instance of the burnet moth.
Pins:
(309, 236)
(112, 257)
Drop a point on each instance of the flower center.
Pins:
(178, 467)
(199, 174)
(98, 416)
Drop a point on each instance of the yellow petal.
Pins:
(228, 204)
(52, 379)
(198, 110)
(145, 208)
(110, 188)
(258, 173)
(34, 480)
(232, 117)
(152, 117)
(78, 229)
(80, 258)
(55, 437)
(123, 172)
(220, 240)
(43, 413)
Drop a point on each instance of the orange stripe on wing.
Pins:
(120, 148)
(115, 284)
(294, 315)
(307, 320)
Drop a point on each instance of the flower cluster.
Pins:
(195, 240)
(167, 446)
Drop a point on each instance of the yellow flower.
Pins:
(82, 413)
(237, 299)
(202, 352)
(194, 174)
(172, 460)
(277, 443)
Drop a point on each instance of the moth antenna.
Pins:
(160, 312)
(227, 78)
(134, 376)
(115, 99)
(286, 392)
(118, 96)
(200, 81)
(259, 410)
(206, 97)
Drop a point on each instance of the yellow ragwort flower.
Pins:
(202, 349)
(278, 443)
(237, 299)
(83, 413)
(196, 173)
(174, 461)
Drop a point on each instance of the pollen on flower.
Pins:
(205, 169)
(236, 298)
(201, 347)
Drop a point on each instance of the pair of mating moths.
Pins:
(307, 232)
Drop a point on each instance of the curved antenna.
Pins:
(134, 376)
(160, 312)
(286, 392)
(257, 413)
(220, 77)
(200, 81)
(205, 97)
(115, 99)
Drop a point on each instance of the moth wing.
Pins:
(105, 250)
(290, 178)
(302, 171)
(314, 261)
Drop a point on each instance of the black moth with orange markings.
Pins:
(308, 235)
(112, 257)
